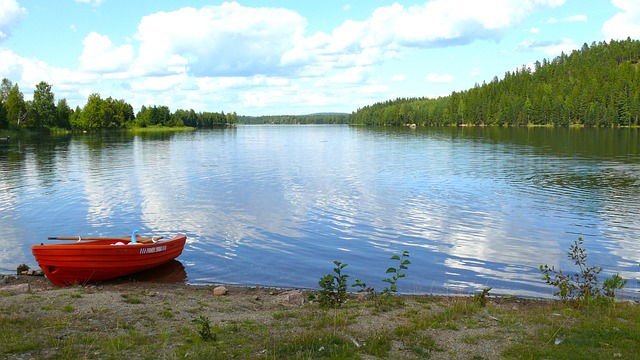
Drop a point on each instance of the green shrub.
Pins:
(582, 286)
(481, 298)
(334, 287)
(403, 261)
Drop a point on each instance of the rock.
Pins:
(220, 291)
(15, 289)
(294, 297)
(21, 268)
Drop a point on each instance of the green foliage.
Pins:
(44, 107)
(132, 299)
(203, 327)
(323, 118)
(334, 287)
(481, 298)
(582, 286)
(333, 291)
(97, 114)
(363, 288)
(397, 273)
(588, 333)
(567, 90)
(611, 284)
(314, 346)
(360, 285)
(15, 106)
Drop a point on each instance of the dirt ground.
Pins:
(480, 334)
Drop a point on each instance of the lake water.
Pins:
(275, 205)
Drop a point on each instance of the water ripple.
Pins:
(276, 205)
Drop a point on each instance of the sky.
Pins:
(289, 57)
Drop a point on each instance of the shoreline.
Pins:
(140, 319)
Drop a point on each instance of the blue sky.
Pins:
(273, 57)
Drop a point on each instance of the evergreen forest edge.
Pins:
(595, 86)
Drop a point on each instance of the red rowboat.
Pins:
(84, 262)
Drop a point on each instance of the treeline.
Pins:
(323, 118)
(44, 113)
(598, 85)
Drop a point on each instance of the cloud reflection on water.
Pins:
(277, 204)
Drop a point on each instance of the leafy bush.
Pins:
(334, 287)
(403, 261)
(584, 285)
(333, 291)
(481, 298)
(203, 326)
(363, 289)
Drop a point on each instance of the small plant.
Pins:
(481, 298)
(334, 287)
(131, 299)
(610, 285)
(362, 286)
(167, 313)
(203, 326)
(403, 261)
(584, 285)
(363, 289)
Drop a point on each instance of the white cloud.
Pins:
(574, 18)
(101, 56)
(625, 23)
(10, 65)
(29, 72)
(10, 15)
(399, 77)
(227, 40)
(392, 30)
(548, 47)
(351, 75)
(439, 78)
(95, 3)
(163, 83)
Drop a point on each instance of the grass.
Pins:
(422, 327)
(585, 333)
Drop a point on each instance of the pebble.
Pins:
(220, 291)
(294, 297)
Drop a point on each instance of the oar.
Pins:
(143, 240)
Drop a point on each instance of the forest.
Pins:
(44, 113)
(595, 86)
(320, 118)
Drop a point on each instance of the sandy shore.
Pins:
(252, 322)
(130, 302)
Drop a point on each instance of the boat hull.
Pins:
(91, 261)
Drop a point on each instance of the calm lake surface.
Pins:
(275, 205)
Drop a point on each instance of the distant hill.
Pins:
(598, 85)
(317, 118)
